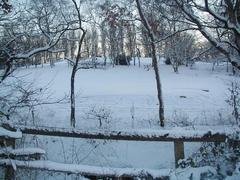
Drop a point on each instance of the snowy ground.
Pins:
(195, 96)
(125, 91)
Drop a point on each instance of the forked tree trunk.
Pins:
(74, 70)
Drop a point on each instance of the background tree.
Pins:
(23, 40)
(220, 24)
(179, 50)
(25, 27)
(131, 41)
(104, 40)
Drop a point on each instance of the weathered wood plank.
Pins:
(9, 172)
(178, 151)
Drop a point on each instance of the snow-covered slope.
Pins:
(127, 96)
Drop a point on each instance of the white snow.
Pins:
(117, 89)
(89, 170)
(9, 134)
(22, 151)
(125, 92)
(187, 173)
(192, 173)
(236, 173)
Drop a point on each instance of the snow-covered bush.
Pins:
(179, 118)
(236, 173)
(18, 98)
(101, 114)
(234, 100)
(147, 67)
(168, 61)
(224, 157)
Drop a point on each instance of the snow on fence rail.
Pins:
(4, 133)
(31, 153)
(181, 134)
(95, 172)
(85, 170)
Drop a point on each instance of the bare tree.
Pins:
(221, 27)
(75, 63)
(145, 42)
(154, 61)
(19, 99)
(26, 26)
(103, 41)
(94, 45)
(179, 50)
(115, 16)
(234, 100)
(131, 41)
(21, 43)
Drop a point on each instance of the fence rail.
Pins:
(133, 135)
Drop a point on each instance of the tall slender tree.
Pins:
(154, 61)
(75, 63)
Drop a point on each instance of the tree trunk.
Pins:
(154, 63)
(159, 86)
(75, 67)
(72, 118)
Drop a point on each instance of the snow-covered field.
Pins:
(126, 95)
(197, 96)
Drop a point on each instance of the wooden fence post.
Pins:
(9, 172)
(178, 151)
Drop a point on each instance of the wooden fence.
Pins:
(178, 138)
